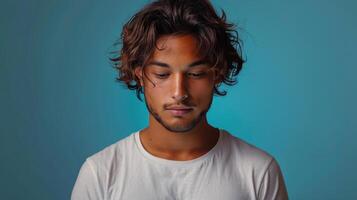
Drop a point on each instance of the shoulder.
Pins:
(259, 168)
(245, 154)
(113, 154)
(96, 172)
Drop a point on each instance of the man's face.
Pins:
(180, 90)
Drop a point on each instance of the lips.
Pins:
(179, 111)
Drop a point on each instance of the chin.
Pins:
(182, 125)
(179, 128)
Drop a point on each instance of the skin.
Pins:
(175, 70)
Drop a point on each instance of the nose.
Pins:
(179, 87)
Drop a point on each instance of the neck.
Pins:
(161, 142)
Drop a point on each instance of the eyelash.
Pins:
(194, 75)
(161, 76)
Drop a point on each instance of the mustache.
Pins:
(185, 104)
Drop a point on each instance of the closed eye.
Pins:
(192, 75)
(196, 75)
(161, 76)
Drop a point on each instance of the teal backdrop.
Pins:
(296, 96)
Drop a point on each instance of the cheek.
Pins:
(202, 85)
(154, 95)
(202, 90)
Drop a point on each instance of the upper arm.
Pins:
(88, 185)
(272, 185)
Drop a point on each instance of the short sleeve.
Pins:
(87, 186)
(272, 186)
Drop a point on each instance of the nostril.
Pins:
(180, 98)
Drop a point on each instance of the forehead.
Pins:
(172, 47)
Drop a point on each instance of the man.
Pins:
(177, 53)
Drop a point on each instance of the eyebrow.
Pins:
(161, 64)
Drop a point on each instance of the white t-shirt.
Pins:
(231, 170)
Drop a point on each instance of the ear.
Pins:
(139, 74)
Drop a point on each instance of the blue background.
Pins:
(60, 103)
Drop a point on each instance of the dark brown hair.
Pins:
(218, 40)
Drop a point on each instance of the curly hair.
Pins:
(218, 40)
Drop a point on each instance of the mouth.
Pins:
(179, 111)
